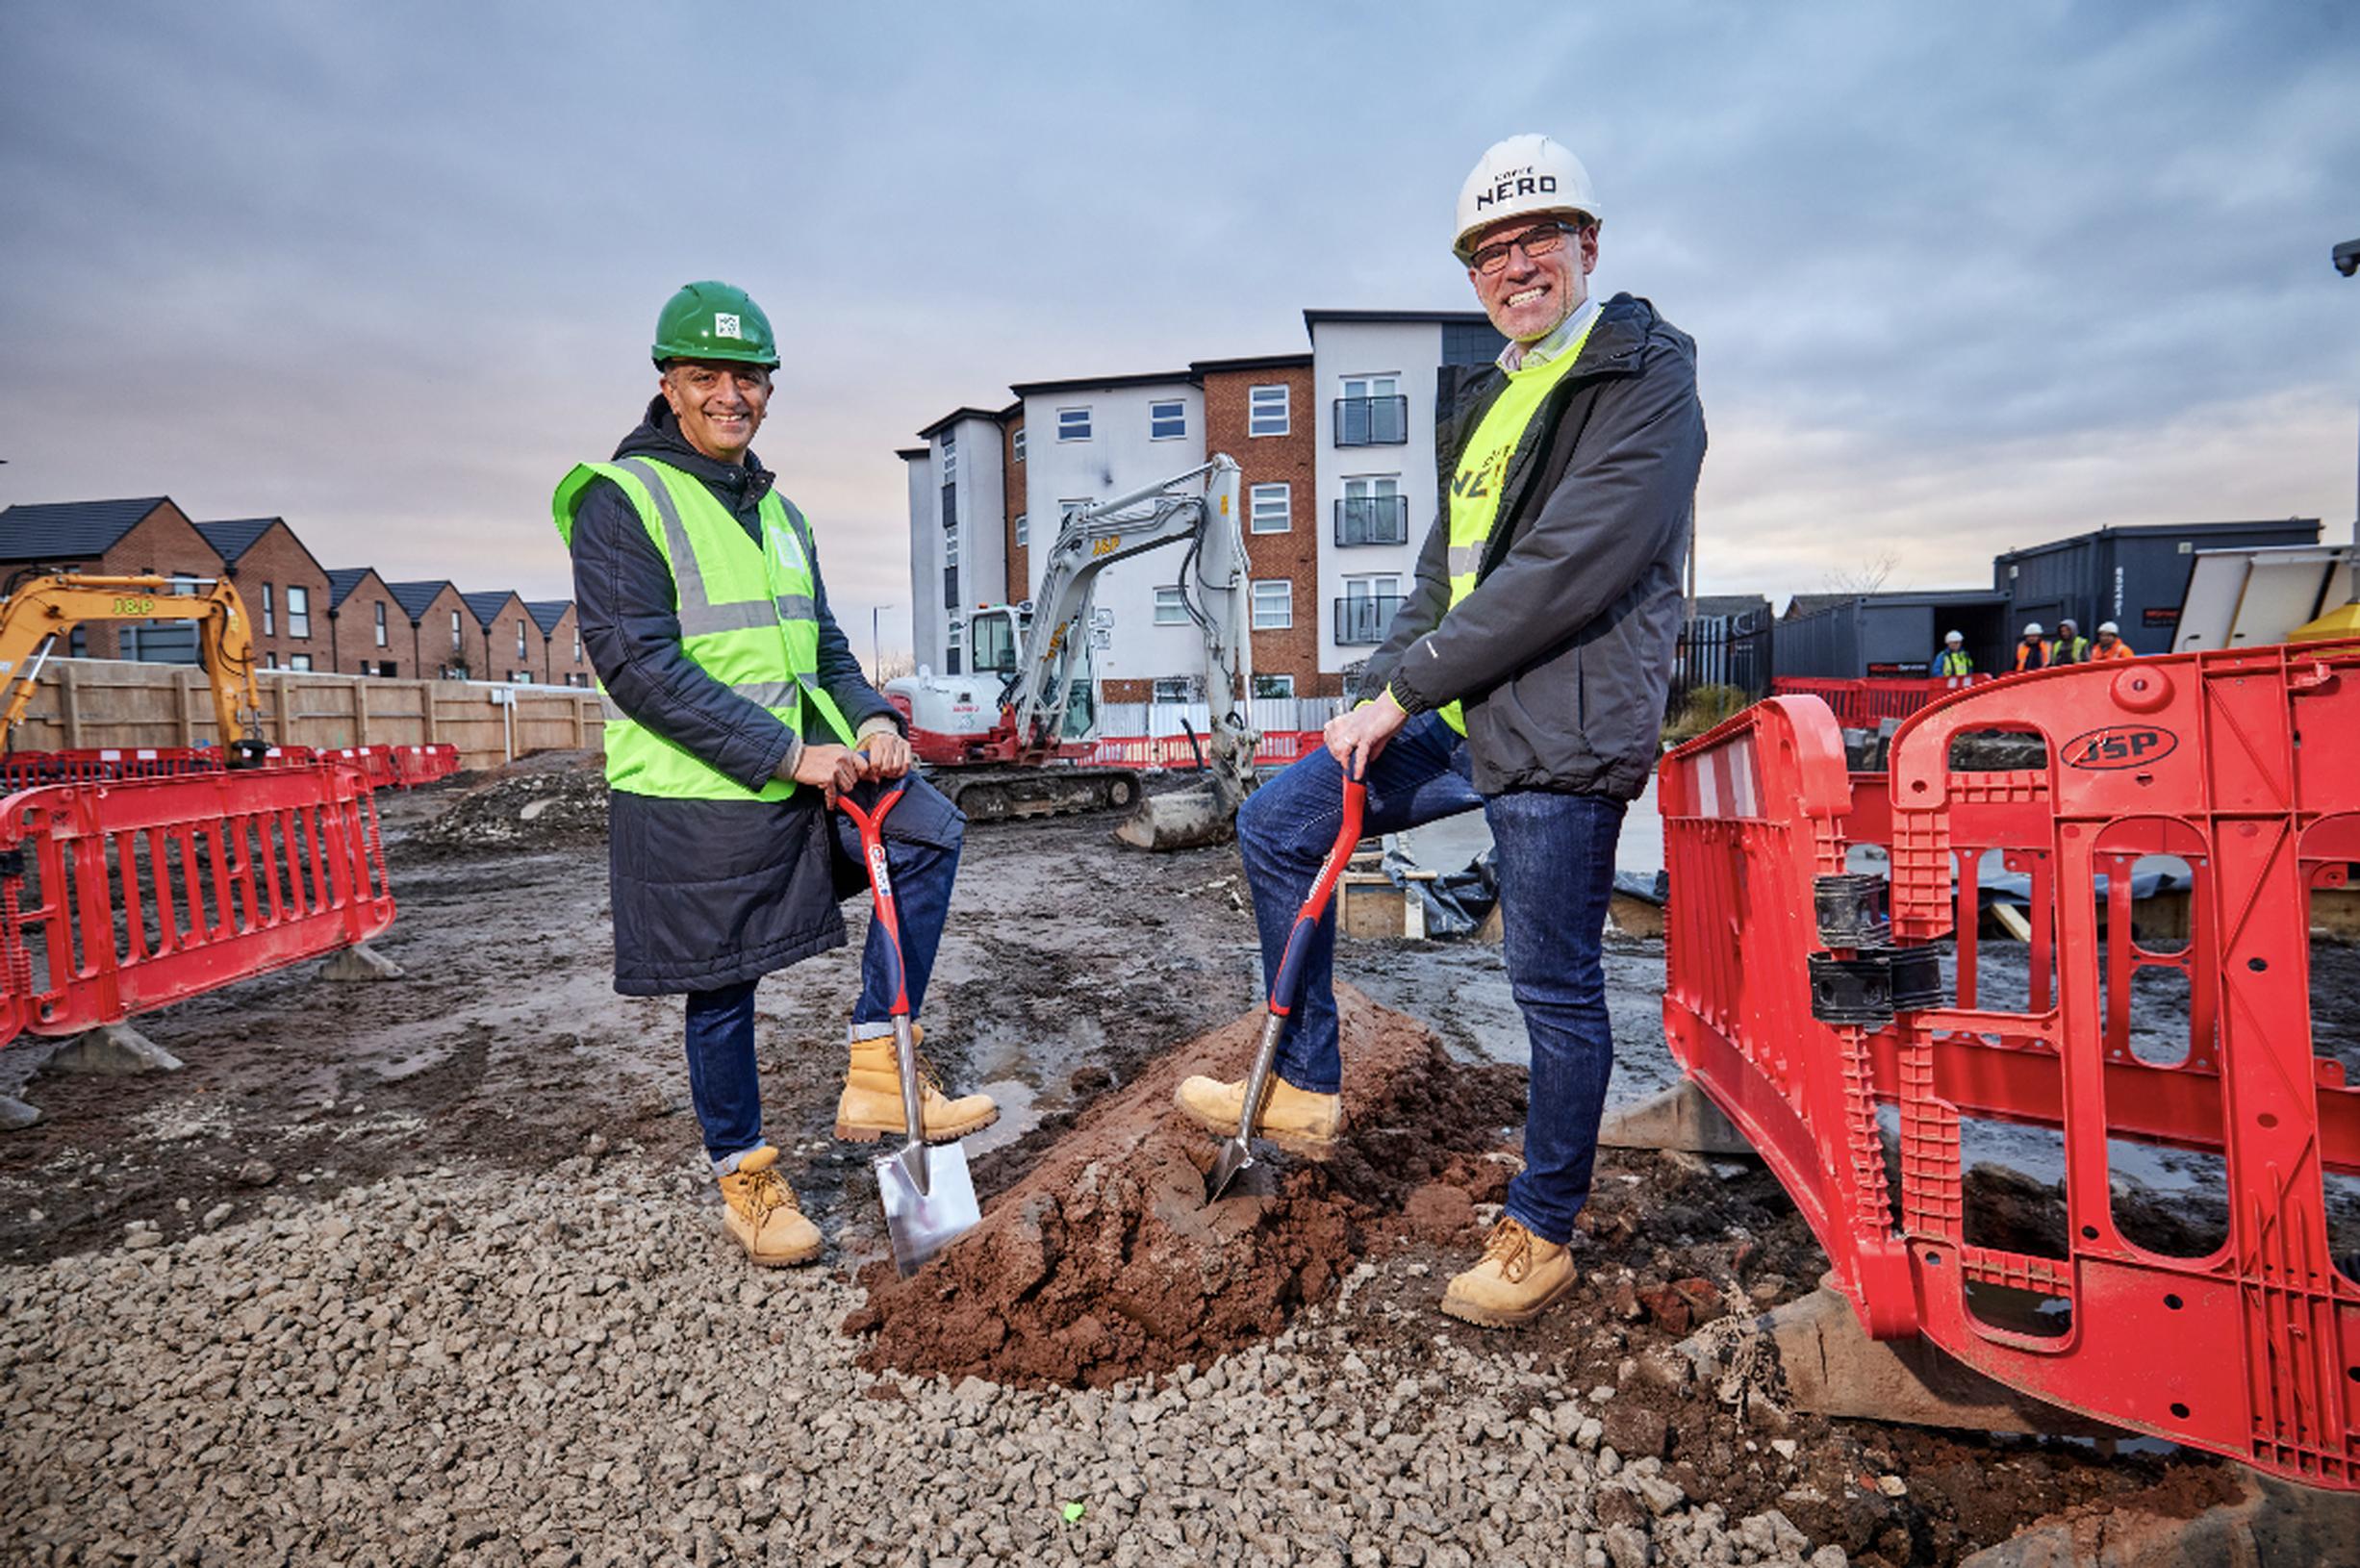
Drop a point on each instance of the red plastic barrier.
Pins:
(403, 766)
(1861, 704)
(1275, 750)
(2245, 766)
(119, 898)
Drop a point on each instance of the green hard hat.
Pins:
(714, 321)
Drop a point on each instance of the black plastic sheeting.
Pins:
(1457, 902)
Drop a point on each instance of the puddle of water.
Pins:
(1019, 1114)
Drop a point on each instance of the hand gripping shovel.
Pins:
(930, 1198)
(1238, 1153)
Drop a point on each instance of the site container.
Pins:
(2133, 576)
(1891, 635)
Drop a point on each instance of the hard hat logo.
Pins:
(727, 326)
(1527, 183)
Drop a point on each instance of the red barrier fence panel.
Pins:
(1862, 704)
(119, 898)
(2227, 1319)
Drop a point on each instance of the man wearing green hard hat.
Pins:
(735, 714)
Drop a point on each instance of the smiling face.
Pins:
(720, 404)
(1531, 295)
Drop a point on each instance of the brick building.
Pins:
(369, 632)
(1336, 451)
(141, 537)
(505, 636)
(562, 663)
(285, 588)
(439, 623)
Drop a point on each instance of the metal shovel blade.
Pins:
(923, 1220)
(1235, 1156)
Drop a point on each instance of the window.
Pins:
(296, 661)
(1266, 411)
(270, 616)
(1167, 421)
(387, 668)
(1372, 412)
(1366, 610)
(1169, 610)
(1017, 443)
(577, 644)
(951, 652)
(950, 457)
(1274, 604)
(270, 660)
(1372, 511)
(379, 607)
(1072, 424)
(1268, 509)
(299, 613)
(454, 629)
(1174, 689)
(1023, 531)
(523, 677)
(950, 506)
(1273, 686)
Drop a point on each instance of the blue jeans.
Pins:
(1555, 855)
(923, 837)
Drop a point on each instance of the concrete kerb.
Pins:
(113, 1051)
(1682, 1118)
(360, 962)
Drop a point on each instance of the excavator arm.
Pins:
(1200, 508)
(40, 614)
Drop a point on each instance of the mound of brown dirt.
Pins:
(536, 803)
(1104, 1260)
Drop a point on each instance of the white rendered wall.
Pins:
(1408, 351)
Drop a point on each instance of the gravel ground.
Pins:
(457, 1367)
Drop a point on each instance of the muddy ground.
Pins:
(1071, 965)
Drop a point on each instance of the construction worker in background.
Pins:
(2032, 649)
(1525, 675)
(2110, 643)
(2071, 646)
(1953, 664)
(736, 714)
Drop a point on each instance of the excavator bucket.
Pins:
(1183, 819)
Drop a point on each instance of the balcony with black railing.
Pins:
(1361, 619)
(1372, 520)
(1372, 421)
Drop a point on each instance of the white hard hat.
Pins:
(1954, 636)
(2107, 628)
(2032, 628)
(1521, 175)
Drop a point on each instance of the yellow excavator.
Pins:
(39, 610)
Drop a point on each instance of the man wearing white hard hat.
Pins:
(2110, 643)
(1526, 675)
(2034, 650)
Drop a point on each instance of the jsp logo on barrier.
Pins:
(2119, 745)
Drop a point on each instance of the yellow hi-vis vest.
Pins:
(748, 618)
(1482, 467)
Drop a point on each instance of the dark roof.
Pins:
(1312, 318)
(486, 607)
(911, 454)
(954, 417)
(1811, 604)
(1256, 361)
(547, 613)
(2178, 530)
(417, 597)
(1730, 604)
(233, 539)
(67, 530)
(343, 581)
(1030, 388)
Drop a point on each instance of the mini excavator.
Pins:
(39, 610)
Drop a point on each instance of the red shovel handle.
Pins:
(1288, 981)
(870, 823)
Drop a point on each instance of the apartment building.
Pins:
(1338, 485)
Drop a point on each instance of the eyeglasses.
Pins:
(1543, 240)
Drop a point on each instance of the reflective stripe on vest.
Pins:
(1482, 468)
(748, 618)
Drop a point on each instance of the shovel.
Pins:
(1238, 1153)
(930, 1198)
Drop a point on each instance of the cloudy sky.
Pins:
(1960, 279)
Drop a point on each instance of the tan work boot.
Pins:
(1514, 1281)
(1294, 1118)
(760, 1213)
(869, 1108)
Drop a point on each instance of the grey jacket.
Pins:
(1562, 654)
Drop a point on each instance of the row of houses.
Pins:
(345, 620)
